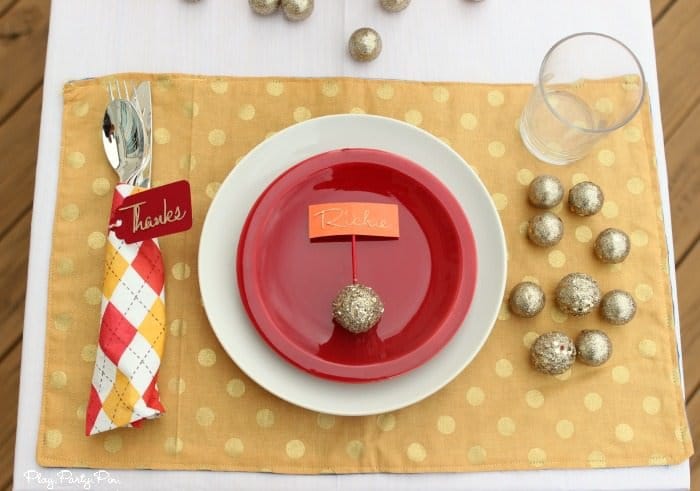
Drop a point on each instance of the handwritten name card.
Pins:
(374, 219)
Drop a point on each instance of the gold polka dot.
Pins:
(75, 159)
(301, 113)
(188, 162)
(234, 447)
(441, 94)
(610, 209)
(495, 98)
(657, 459)
(357, 110)
(639, 238)
(62, 321)
(505, 426)
(592, 401)
(624, 432)
(504, 312)
(651, 405)
(525, 176)
(58, 379)
(173, 445)
(330, 88)
(522, 228)
(325, 421)
(205, 416)
(476, 455)
(556, 259)
(206, 357)
(500, 200)
(385, 92)
(620, 374)
(235, 387)
(565, 429)
(212, 188)
(615, 268)
(475, 396)
(564, 376)
(113, 443)
(219, 86)
(181, 271)
(53, 438)
(504, 368)
(70, 213)
(416, 452)
(682, 434)
(583, 233)
(88, 352)
(604, 105)
(265, 418)
(274, 88)
(96, 240)
(101, 186)
(537, 457)
(190, 109)
(414, 117)
(497, 149)
(534, 398)
(676, 377)
(354, 449)
(164, 83)
(176, 385)
(606, 157)
(468, 121)
(647, 348)
(446, 424)
(217, 137)
(578, 177)
(635, 185)
(246, 112)
(93, 296)
(643, 292)
(161, 136)
(529, 338)
(632, 134)
(295, 449)
(386, 422)
(64, 266)
(596, 459)
(178, 327)
(81, 108)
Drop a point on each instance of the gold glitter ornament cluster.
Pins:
(357, 308)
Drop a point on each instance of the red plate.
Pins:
(425, 278)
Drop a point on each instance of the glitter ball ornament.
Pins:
(365, 44)
(296, 10)
(553, 353)
(618, 307)
(577, 294)
(612, 245)
(264, 7)
(586, 199)
(593, 347)
(526, 299)
(394, 5)
(545, 229)
(545, 192)
(357, 308)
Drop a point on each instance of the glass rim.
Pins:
(565, 121)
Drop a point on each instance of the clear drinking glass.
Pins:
(589, 85)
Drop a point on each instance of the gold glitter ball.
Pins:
(618, 307)
(577, 294)
(552, 353)
(394, 5)
(545, 192)
(264, 7)
(357, 308)
(526, 299)
(593, 347)
(586, 199)
(365, 44)
(296, 10)
(612, 246)
(545, 229)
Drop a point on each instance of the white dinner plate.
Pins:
(219, 244)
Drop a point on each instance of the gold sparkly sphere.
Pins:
(365, 44)
(577, 294)
(296, 10)
(264, 7)
(526, 299)
(357, 308)
(552, 353)
(545, 229)
(545, 192)
(585, 199)
(394, 5)
(593, 347)
(618, 307)
(612, 246)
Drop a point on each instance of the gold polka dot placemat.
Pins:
(498, 414)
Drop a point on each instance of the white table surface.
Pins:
(489, 41)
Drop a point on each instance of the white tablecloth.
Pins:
(489, 41)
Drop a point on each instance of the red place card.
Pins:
(374, 219)
(154, 213)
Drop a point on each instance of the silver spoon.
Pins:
(123, 139)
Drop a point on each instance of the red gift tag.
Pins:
(153, 213)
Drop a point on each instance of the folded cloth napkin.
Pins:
(132, 332)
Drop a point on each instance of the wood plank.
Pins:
(658, 7)
(19, 137)
(5, 5)
(687, 275)
(9, 394)
(678, 62)
(683, 159)
(13, 281)
(23, 35)
(693, 409)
